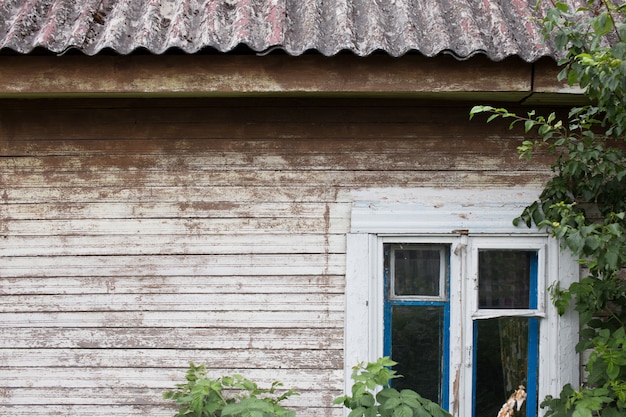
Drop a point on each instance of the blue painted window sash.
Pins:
(387, 320)
(531, 371)
(533, 341)
(533, 347)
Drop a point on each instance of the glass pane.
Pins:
(416, 270)
(417, 346)
(501, 363)
(504, 278)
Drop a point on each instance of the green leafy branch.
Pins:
(547, 127)
(372, 395)
(584, 203)
(234, 395)
(593, 38)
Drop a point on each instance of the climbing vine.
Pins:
(584, 204)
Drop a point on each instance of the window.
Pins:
(416, 317)
(505, 321)
(459, 298)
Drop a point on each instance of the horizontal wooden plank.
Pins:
(163, 378)
(93, 111)
(345, 105)
(172, 358)
(231, 302)
(187, 194)
(164, 210)
(173, 226)
(228, 205)
(53, 396)
(185, 244)
(302, 318)
(417, 136)
(219, 168)
(393, 136)
(131, 411)
(171, 338)
(249, 120)
(322, 284)
(344, 179)
(380, 129)
(14, 335)
(220, 107)
(294, 130)
(29, 410)
(163, 265)
(322, 194)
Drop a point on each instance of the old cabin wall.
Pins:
(136, 236)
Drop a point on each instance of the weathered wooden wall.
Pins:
(136, 236)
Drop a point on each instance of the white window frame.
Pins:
(465, 227)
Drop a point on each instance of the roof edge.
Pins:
(219, 75)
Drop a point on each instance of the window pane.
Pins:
(502, 363)
(504, 278)
(417, 346)
(416, 270)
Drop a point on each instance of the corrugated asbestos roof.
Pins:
(497, 28)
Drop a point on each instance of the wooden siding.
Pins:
(136, 236)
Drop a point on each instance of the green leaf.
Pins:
(563, 7)
(603, 24)
(412, 402)
(615, 229)
(390, 403)
(386, 393)
(492, 117)
(611, 412)
(479, 109)
(409, 393)
(386, 361)
(575, 242)
(403, 411)
(611, 257)
(367, 400)
(357, 412)
(340, 400)
(612, 371)
(358, 389)
(582, 412)
(572, 78)
(433, 408)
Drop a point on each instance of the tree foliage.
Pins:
(584, 204)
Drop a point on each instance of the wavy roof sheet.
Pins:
(497, 28)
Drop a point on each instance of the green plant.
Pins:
(225, 396)
(372, 395)
(584, 204)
